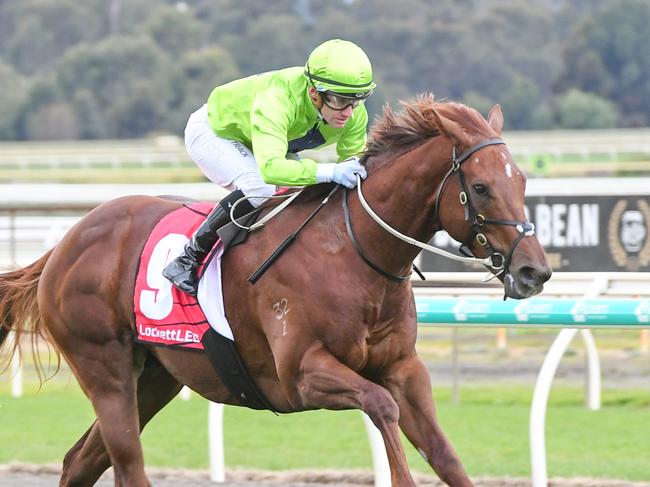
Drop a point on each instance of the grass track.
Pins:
(489, 429)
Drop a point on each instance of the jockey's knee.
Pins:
(256, 189)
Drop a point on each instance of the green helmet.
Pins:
(340, 67)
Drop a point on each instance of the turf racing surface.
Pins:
(46, 476)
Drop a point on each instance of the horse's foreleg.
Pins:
(88, 458)
(327, 383)
(409, 383)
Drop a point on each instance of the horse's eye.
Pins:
(480, 189)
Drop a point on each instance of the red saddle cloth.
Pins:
(165, 315)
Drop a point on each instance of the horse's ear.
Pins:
(448, 127)
(495, 118)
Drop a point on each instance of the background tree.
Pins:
(517, 103)
(198, 73)
(128, 68)
(608, 55)
(175, 30)
(129, 77)
(257, 52)
(40, 31)
(579, 110)
(12, 97)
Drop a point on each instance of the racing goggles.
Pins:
(340, 101)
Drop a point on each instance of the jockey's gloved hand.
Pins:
(343, 172)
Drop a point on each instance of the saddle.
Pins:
(167, 317)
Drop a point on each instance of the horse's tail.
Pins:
(19, 308)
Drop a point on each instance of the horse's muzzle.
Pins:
(526, 281)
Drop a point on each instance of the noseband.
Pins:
(499, 262)
(495, 260)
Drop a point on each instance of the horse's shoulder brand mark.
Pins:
(281, 309)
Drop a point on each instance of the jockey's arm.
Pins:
(270, 120)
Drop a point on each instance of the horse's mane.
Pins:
(416, 123)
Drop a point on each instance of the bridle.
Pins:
(499, 262)
(496, 261)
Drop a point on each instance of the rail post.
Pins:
(379, 456)
(537, 425)
(16, 368)
(215, 440)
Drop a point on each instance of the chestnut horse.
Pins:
(346, 339)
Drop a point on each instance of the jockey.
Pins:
(245, 138)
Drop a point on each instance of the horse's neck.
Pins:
(402, 192)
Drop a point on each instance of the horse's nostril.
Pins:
(534, 277)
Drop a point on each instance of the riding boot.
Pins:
(182, 271)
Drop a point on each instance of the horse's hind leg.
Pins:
(99, 348)
(88, 458)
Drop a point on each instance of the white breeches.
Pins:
(226, 162)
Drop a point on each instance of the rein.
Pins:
(357, 247)
(495, 261)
